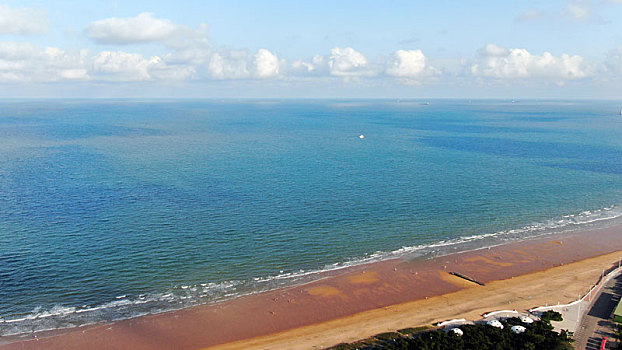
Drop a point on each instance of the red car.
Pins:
(603, 343)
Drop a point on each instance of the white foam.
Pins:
(564, 223)
(38, 314)
(185, 295)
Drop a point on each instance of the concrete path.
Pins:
(572, 316)
(597, 323)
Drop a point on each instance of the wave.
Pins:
(128, 306)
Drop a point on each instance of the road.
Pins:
(598, 323)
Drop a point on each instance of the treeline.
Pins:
(538, 335)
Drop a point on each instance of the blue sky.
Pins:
(298, 49)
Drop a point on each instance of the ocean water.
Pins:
(111, 209)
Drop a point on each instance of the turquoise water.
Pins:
(115, 208)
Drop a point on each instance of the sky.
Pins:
(569, 49)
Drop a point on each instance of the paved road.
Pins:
(597, 322)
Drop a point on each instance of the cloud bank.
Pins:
(347, 62)
(498, 62)
(25, 62)
(22, 21)
(239, 64)
(189, 55)
(265, 64)
(406, 63)
(140, 29)
(123, 66)
(145, 28)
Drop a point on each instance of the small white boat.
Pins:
(361, 136)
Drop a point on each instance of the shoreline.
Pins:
(467, 303)
(353, 295)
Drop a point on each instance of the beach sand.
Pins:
(365, 300)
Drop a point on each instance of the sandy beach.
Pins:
(366, 300)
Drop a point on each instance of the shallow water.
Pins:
(111, 209)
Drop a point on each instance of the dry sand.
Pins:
(555, 285)
(366, 300)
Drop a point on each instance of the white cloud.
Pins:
(301, 66)
(140, 29)
(229, 65)
(406, 63)
(192, 57)
(318, 66)
(145, 28)
(409, 66)
(25, 62)
(160, 70)
(347, 62)
(530, 15)
(185, 38)
(238, 64)
(582, 11)
(266, 64)
(190, 48)
(14, 51)
(123, 66)
(498, 62)
(22, 20)
(613, 62)
(342, 62)
(586, 11)
(578, 11)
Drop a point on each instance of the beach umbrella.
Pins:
(457, 331)
(495, 323)
(518, 329)
(525, 319)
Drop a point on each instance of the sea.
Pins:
(111, 209)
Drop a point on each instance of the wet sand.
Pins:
(367, 299)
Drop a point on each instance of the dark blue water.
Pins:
(111, 209)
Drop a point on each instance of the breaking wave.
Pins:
(182, 296)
